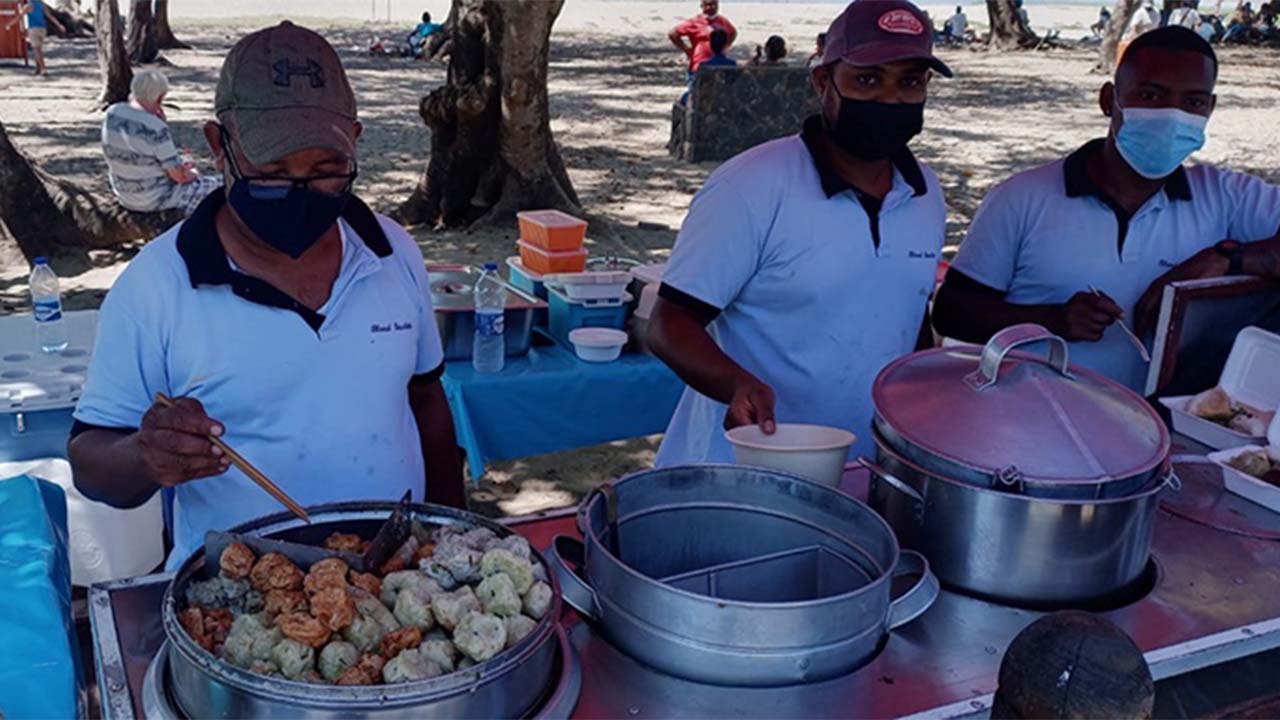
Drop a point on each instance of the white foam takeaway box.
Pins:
(1242, 483)
(1251, 376)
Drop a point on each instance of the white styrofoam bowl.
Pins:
(815, 452)
(597, 344)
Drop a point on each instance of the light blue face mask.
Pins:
(1155, 141)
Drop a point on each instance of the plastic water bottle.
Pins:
(47, 301)
(489, 350)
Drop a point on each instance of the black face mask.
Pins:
(871, 130)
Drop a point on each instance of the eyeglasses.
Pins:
(276, 187)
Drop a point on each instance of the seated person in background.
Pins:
(1122, 214)
(816, 58)
(1100, 27)
(145, 171)
(418, 38)
(1240, 28)
(719, 41)
(957, 26)
(773, 52)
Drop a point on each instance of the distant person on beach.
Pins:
(693, 36)
(1104, 19)
(774, 52)
(38, 22)
(1146, 19)
(957, 26)
(1022, 14)
(1240, 28)
(816, 58)
(1184, 14)
(144, 168)
(418, 38)
(719, 42)
(1123, 214)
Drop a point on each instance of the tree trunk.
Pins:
(113, 60)
(48, 216)
(165, 38)
(1008, 32)
(142, 33)
(1121, 16)
(492, 153)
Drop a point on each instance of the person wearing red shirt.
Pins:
(693, 36)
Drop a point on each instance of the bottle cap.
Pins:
(42, 260)
(490, 266)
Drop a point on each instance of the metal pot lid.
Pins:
(1016, 415)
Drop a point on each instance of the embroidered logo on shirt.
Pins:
(901, 22)
(390, 327)
(922, 255)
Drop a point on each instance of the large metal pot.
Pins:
(739, 576)
(1001, 418)
(1022, 480)
(510, 685)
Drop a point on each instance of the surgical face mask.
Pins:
(871, 130)
(285, 213)
(1155, 141)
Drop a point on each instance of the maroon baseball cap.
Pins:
(875, 32)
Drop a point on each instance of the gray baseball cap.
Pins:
(283, 89)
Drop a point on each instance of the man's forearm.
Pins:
(682, 342)
(107, 466)
(439, 444)
(970, 316)
(1262, 258)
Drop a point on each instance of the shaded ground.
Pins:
(611, 89)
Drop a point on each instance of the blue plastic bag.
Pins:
(39, 656)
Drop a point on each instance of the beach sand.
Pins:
(612, 79)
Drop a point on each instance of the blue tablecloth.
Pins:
(550, 400)
(39, 664)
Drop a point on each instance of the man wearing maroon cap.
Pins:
(283, 315)
(805, 264)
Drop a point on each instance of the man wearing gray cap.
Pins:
(805, 264)
(283, 315)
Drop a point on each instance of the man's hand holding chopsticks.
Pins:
(174, 443)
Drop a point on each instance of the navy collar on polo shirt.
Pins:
(207, 262)
(833, 184)
(1079, 184)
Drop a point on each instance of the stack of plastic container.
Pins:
(551, 242)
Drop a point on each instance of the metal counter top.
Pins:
(1216, 599)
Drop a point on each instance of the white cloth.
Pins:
(808, 304)
(322, 412)
(1041, 244)
(1144, 20)
(1186, 17)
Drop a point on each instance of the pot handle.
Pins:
(920, 597)
(1014, 336)
(573, 588)
(878, 473)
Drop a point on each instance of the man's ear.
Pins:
(820, 78)
(213, 136)
(1107, 98)
(359, 129)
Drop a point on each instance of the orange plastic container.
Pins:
(547, 261)
(552, 230)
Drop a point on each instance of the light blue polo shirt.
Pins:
(1048, 233)
(318, 401)
(811, 288)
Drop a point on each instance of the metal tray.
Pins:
(451, 297)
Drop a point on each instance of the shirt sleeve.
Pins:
(165, 151)
(687, 28)
(989, 253)
(720, 243)
(128, 365)
(1255, 207)
(430, 350)
(730, 29)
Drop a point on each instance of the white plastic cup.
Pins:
(814, 452)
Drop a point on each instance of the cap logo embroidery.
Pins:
(285, 71)
(901, 22)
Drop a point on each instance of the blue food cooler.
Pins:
(38, 390)
(567, 315)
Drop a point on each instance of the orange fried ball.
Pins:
(354, 675)
(303, 628)
(345, 542)
(236, 561)
(397, 641)
(274, 571)
(277, 602)
(333, 607)
(193, 622)
(367, 582)
(372, 663)
(328, 573)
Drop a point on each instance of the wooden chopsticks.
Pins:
(248, 469)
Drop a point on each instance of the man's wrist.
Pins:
(1233, 252)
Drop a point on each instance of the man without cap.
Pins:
(146, 173)
(38, 21)
(1122, 215)
(693, 36)
(805, 264)
(284, 316)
